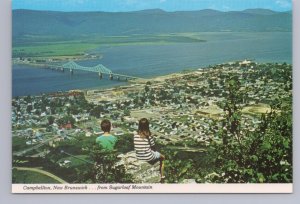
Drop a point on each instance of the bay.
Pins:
(157, 59)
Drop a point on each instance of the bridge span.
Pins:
(100, 69)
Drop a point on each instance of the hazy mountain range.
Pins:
(53, 23)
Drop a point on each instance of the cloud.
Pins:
(162, 1)
(284, 3)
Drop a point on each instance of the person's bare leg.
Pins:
(161, 167)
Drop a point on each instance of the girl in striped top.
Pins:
(145, 147)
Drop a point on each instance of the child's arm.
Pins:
(152, 143)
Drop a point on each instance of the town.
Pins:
(184, 109)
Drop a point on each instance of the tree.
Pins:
(106, 169)
(232, 106)
(29, 108)
(96, 111)
(66, 119)
(147, 89)
(127, 112)
(51, 120)
(261, 155)
(28, 99)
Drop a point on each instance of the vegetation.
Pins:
(66, 25)
(88, 163)
(52, 49)
(45, 47)
(249, 141)
(106, 168)
(125, 143)
(262, 155)
(23, 176)
(19, 143)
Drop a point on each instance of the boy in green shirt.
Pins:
(106, 141)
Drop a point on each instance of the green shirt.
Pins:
(106, 142)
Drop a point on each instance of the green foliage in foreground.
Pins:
(184, 165)
(260, 156)
(106, 168)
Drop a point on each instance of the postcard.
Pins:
(160, 96)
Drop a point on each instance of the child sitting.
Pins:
(145, 147)
(106, 141)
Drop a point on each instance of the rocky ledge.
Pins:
(142, 172)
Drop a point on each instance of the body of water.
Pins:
(155, 60)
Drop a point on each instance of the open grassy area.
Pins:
(19, 143)
(215, 112)
(212, 111)
(32, 175)
(144, 113)
(182, 119)
(256, 109)
(74, 162)
(35, 46)
(44, 50)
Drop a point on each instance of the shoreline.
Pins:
(132, 83)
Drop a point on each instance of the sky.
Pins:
(134, 5)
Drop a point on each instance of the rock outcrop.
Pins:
(142, 172)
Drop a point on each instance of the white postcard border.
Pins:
(152, 188)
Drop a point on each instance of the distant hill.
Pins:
(260, 11)
(53, 23)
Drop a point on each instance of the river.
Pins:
(154, 60)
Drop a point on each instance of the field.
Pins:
(34, 175)
(257, 109)
(34, 46)
(51, 49)
(74, 162)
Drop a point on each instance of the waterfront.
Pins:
(154, 60)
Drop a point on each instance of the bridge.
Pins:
(100, 69)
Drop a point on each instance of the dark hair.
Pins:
(105, 125)
(143, 130)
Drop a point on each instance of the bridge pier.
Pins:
(111, 77)
(118, 78)
(62, 69)
(100, 75)
(71, 71)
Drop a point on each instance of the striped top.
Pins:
(142, 148)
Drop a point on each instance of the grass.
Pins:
(30, 175)
(212, 111)
(182, 119)
(143, 113)
(36, 46)
(18, 143)
(256, 109)
(74, 161)
(45, 50)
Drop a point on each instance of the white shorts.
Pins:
(156, 155)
